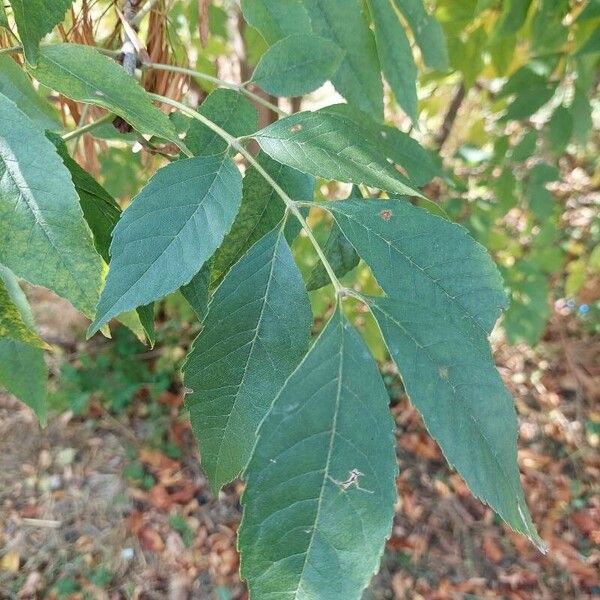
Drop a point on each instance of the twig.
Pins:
(85, 128)
(220, 82)
(451, 115)
(46, 523)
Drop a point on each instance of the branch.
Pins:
(215, 80)
(451, 115)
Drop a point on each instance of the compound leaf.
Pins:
(40, 215)
(34, 19)
(453, 382)
(171, 228)
(83, 74)
(255, 333)
(297, 65)
(320, 492)
(328, 144)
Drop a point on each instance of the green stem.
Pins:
(89, 127)
(290, 204)
(221, 82)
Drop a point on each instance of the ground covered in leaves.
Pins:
(109, 501)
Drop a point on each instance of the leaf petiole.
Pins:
(89, 127)
(220, 82)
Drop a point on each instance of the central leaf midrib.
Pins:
(328, 459)
(250, 352)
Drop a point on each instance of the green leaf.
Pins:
(231, 111)
(423, 258)
(261, 210)
(329, 145)
(358, 78)
(34, 19)
(145, 315)
(340, 254)
(3, 17)
(581, 112)
(16, 86)
(397, 146)
(592, 46)
(320, 492)
(451, 378)
(102, 213)
(276, 19)
(256, 332)
(395, 55)
(297, 65)
(45, 238)
(532, 90)
(591, 11)
(12, 324)
(197, 291)
(541, 201)
(171, 228)
(408, 153)
(513, 16)
(529, 310)
(100, 210)
(83, 74)
(428, 33)
(529, 102)
(504, 186)
(560, 129)
(23, 371)
(466, 55)
(526, 146)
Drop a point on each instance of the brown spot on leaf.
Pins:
(386, 215)
(443, 371)
(295, 128)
